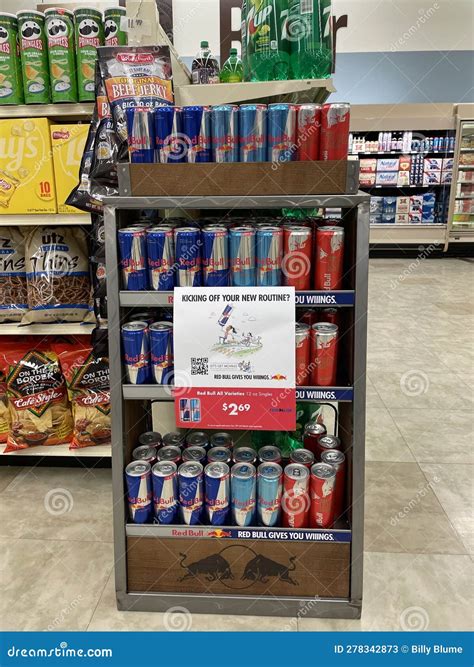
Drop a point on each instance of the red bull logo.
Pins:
(278, 376)
(218, 532)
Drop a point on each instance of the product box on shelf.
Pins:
(433, 164)
(386, 178)
(367, 180)
(415, 216)
(448, 163)
(26, 167)
(432, 178)
(376, 205)
(403, 178)
(402, 218)
(446, 177)
(428, 216)
(368, 165)
(404, 163)
(403, 204)
(387, 164)
(68, 143)
(388, 218)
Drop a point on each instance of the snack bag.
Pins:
(13, 293)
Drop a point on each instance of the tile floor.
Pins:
(56, 568)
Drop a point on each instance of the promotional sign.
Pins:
(234, 357)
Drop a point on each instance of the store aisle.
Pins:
(55, 524)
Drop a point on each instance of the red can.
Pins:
(303, 348)
(337, 459)
(329, 258)
(303, 456)
(297, 256)
(312, 432)
(309, 317)
(323, 496)
(330, 315)
(308, 128)
(327, 443)
(323, 360)
(334, 143)
(295, 501)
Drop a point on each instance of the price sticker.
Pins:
(233, 409)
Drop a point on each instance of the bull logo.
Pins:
(213, 568)
(262, 568)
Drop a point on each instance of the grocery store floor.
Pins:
(56, 559)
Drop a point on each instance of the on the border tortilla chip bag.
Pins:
(135, 77)
(37, 397)
(88, 383)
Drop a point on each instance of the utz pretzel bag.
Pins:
(37, 397)
(87, 379)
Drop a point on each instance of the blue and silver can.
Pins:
(195, 410)
(136, 352)
(269, 252)
(160, 257)
(171, 143)
(188, 243)
(215, 257)
(197, 439)
(138, 478)
(269, 489)
(185, 409)
(133, 258)
(165, 492)
(243, 486)
(242, 256)
(281, 127)
(219, 455)
(190, 487)
(244, 455)
(198, 131)
(195, 453)
(222, 439)
(141, 135)
(225, 133)
(225, 316)
(161, 352)
(217, 493)
(253, 133)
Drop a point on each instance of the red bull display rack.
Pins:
(253, 570)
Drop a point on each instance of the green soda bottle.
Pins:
(267, 47)
(310, 36)
(232, 70)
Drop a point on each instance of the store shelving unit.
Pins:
(461, 222)
(62, 451)
(146, 578)
(53, 219)
(73, 111)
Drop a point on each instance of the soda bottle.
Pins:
(205, 68)
(232, 70)
(310, 37)
(243, 41)
(267, 46)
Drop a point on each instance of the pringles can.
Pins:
(89, 34)
(34, 56)
(59, 28)
(324, 349)
(330, 258)
(113, 33)
(11, 84)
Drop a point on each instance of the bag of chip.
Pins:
(13, 296)
(88, 383)
(37, 397)
(106, 146)
(135, 77)
(57, 275)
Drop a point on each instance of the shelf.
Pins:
(466, 167)
(81, 111)
(466, 150)
(53, 329)
(401, 153)
(406, 187)
(63, 451)
(155, 392)
(312, 298)
(415, 233)
(465, 197)
(294, 90)
(52, 219)
(254, 533)
(236, 202)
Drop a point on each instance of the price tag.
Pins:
(234, 408)
(140, 27)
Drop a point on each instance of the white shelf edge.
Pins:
(393, 225)
(82, 110)
(63, 451)
(32, 220)
(53, 329)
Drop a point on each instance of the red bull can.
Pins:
(161, 352)
(171, 142)
(244, 455)
(281, 124)
(269, 454)
(222, 439)
(295, 502)
(173, 438)
(297, 257)
(335, 121)
(141, 135)
(269, 490)
(136, 352)
(160, 257)
(324, 353)
(197, 439)
(169, 453)
(337, 459)
(198, 131)
(165, 492)
(302, 456)
(195, 410)
(188, 245)
(190, 492)
(327, 443)
(322, 490)
(215, 256)
(243, 488)
(133, 258)
(195, 453)
(150, 439)
(225, 133)
(312, 432)
(185, 409)
(145, 453)
(217, 493)
(269, 254)
(224, 318)
(219, 455)
(328, 273)
(308, 129)
(242, 256)
(253, 132)
(138, 478)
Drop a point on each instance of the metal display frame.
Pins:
(124, 398)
